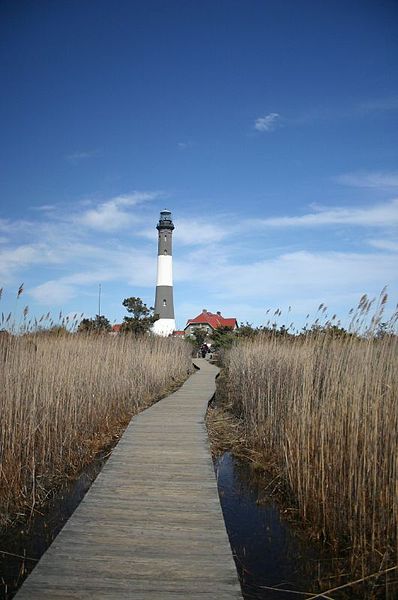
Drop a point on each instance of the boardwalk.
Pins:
(151, 525)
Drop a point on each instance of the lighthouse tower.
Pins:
(164, 308)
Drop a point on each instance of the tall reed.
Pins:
(324, 411)
(64, 397)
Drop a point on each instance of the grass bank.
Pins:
(63, 398)
(321, 413)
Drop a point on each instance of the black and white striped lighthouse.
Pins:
(164, 307)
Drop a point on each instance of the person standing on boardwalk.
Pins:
(204, 350)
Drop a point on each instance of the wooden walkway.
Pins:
(151, 525)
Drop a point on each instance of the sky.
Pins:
(268, 128)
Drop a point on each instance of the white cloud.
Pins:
(4, 225)
(60, 259)
(184, 145)
(193, 232)
(375, 179)
(45, 207)
(21, 256)
(329, 113)
(112, 215)
(384, 244)
(13, 260)
(63, 263)
(300, 279)
(99, 264)
(56, 249)
(267, 123)
(378, 215)
(389, 103)
(80, 155)
(53, 292)
(299, 274)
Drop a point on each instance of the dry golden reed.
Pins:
(64, 397)
(325, 410)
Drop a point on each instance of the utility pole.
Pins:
(99, 299)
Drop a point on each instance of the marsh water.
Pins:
(268, 552)
(23, 544)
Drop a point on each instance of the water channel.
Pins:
(268, 552)
(23, 545)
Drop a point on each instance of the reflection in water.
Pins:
(32, 539)
(267, 552)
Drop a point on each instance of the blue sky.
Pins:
(268, 128)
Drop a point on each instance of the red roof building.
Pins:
(210, 321)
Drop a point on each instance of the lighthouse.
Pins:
(164, 307)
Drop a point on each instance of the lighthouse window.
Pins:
(164, 303)
(165, 238)
(165, 251)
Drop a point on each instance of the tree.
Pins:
(53, 330)
(223, 337)
(98, 325)
(198, 335)
(142, 317)
(246, 330)
(327, 331)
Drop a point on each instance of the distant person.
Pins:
(204, 350)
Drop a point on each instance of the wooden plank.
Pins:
(151, 525)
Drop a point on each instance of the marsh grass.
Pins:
(64, 396)
(323, 411)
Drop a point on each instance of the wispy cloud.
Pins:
(12, 259)
(53, 293)
(334, 113)
(388, 103)
(302, 279)
(64, 263)
(297, 273)
(22, 256)
(374, 179)
(384, 244)
(196, 232)
(193, 232)
(44, 207)
(112, 215)
(68, 241)
(268, 122)
(79, 155)
(184, 145)
(378, 215)
(126, 264)
(15, 259)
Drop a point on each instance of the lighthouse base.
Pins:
(164, 327)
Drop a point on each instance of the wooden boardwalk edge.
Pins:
(151, 525)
